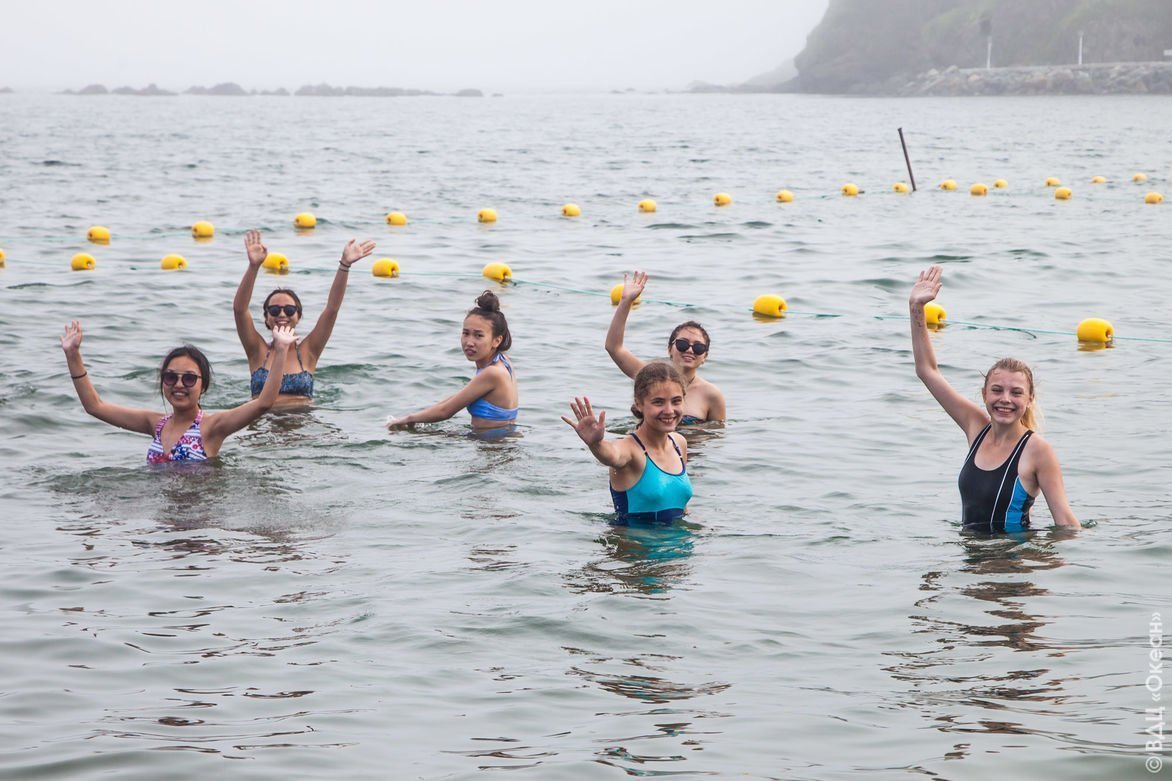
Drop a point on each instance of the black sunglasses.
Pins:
(288, 309)
(189, 378)
(698, 348)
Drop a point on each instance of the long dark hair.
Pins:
(488, 306)
(652, 374)
(201, 361)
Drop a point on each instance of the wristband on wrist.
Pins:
(78, 376)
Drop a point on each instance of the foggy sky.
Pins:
(494, 45)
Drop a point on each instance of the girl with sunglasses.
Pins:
(1008, 464)
(649, 480)
(186, 434)
(491, 395)
(687, 347)
(282, 308)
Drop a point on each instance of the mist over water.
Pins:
(334, 599)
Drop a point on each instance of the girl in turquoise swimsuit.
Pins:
(186, 433)
(491, 395)
(649, 467)
(687, 348)
(282, 308)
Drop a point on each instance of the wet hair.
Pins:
(1032, 417)
(201, 362)
(488, 306)
(651, 375)
(264, 308)
(690, 324)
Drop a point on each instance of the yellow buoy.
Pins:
(203, 230)
(571, 210)
(979, 189)
(1, 257)
(98, 234)
(784, 196)
(934, 314)
(1064, 193)
(722, 199)
(948, 184)
(850, 189)
(1139, 178)
(486, 215)
(276, 263)
(769, 305)
(1053, 181)
(900, 187)
(647, 205)
(1153, 197)
(305, 221)
(1095, 329)
(1098, 180)
(173, 263)
(83, 261)
(616, 295)
(396, 218)
(385, 267)
(1000, 184)
(498, 271)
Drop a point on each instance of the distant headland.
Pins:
(980, 47)
(232, 89)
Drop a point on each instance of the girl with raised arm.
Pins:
(649, 480)
(1008, 463)
(687, 348)
(186, 434)
(491, 394)
(282, 309)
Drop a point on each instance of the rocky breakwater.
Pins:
(1122, 78)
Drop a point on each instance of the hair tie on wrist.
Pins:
(344, 267)
(78, 376)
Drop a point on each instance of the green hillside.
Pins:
(876, 45)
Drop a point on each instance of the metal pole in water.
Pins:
(907, 160)
(1080, 47)
(989, 53)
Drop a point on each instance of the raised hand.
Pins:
(633, 287)
(926, 288)
(355, 251)
(283, 336)
(71, 341)
(591, 429)
(257, 251)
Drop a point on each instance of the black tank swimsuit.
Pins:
(993, 501)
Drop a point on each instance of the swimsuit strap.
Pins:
(648, 455)
(977, 442)
(162, 422)
(296, 351)
(636, 438)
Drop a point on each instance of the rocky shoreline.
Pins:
(1120, 78)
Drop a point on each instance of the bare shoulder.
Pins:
(681, 441)
(1038, 452)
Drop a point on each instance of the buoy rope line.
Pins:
(1026, 329)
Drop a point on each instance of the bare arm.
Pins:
(250, 338)
(141, 420)
(480, 385)
(624, 358)
(967, 414)
(1049, 476)
(315, 343)
(219, 426)
(592, 430)
(717, 412)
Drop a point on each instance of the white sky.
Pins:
(494, 45)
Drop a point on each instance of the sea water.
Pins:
(335, 600)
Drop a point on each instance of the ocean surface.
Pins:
(331, 600)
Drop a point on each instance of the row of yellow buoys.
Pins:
(1061, 193)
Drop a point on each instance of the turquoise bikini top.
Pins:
(482, 408)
